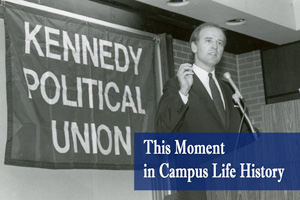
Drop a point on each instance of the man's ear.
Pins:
(194, 47)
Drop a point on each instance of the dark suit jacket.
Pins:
(199, 114)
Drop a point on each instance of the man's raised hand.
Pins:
(185, 78)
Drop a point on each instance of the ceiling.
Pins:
(275, 21)
(269, 23)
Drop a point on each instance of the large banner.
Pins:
(77, 91)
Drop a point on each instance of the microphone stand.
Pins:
(236, 97)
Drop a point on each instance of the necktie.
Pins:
(216, 96)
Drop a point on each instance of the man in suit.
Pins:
(187, 104)
(195, 100)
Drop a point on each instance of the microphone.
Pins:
(228, 77)
(236, 97)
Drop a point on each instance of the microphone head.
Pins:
(227, 75)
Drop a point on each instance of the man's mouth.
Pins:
(213, 53)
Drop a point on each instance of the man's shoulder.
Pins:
(172, 82)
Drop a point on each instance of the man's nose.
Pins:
(214, 45)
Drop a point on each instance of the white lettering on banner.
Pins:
(119, 47)
(35, 83)
(104, 129)
(91, 139)
(45, 96)
(129, 98)
(104, 53)
(84, 92)
(66, 148)
(87, 47)
(49, 42)
(90, 83)
(113, 85)
(105, 49)
(65, 91)
(79, 92)
(68, 44)
(136, 58)
(30, 37)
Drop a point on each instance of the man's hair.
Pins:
(195, 34)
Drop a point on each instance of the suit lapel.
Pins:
(199, 90)
(227, 98)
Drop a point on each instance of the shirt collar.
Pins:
(201, 73)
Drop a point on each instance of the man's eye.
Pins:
(221, 43)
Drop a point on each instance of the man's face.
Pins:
(209, 48)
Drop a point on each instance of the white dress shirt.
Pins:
(203, 77)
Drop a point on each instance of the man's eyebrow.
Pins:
(208, 37)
